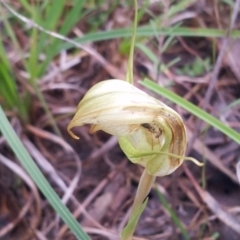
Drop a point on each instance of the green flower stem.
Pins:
(129, 75)
(144, 187)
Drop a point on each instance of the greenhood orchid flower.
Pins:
(149, 132)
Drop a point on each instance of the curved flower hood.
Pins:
(149, 132)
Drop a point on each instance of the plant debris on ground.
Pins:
(190, 47)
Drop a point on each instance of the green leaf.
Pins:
(32, 169)
(129, 229)
(148, 31)
(173, 215)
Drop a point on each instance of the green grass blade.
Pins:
(44, 4)
(7, 84)
(53, 14)
(72, 17)
(33, 60)
(167, 43)
(8, 87)
(70, 20)
(229, 2)
(32, 66)
(232, 104)
(32, 169)
(7, 92)
(148, 52)
(192, 109)
(173, 215)
(44, 43)
(147, 31)
(26, 5)
(3, 56)
(179, 6)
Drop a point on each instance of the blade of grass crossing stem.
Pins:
(147, 31)
(173, 215)
(192, 109)
(32, 169)
(129, 75)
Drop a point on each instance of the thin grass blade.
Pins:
(32, 169)
(173, 215)
(148, 31)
